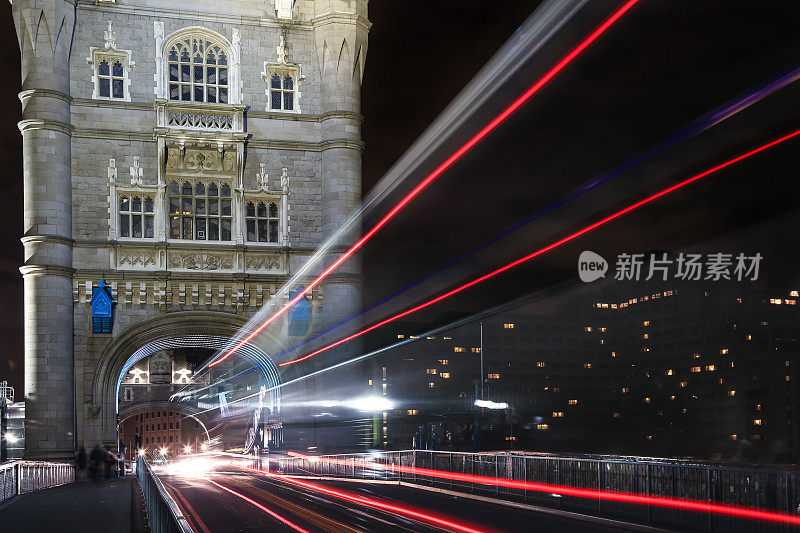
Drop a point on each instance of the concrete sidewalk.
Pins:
(113, 506)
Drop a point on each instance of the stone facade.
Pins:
(93, 134)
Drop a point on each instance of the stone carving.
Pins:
(201, 261)
(110, 38)
(229, 161)
(285, 181)
(137, 173)
(173, 158)
(112, 171)
(263, 262)
(136, 258)
(160, 368)
(199, 160)
(263, 177)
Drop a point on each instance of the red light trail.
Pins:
(269, 512)
(548, 248)
(689, 505)
(373, 502)
(450, 161)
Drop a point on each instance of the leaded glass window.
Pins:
(263, 221)
(136, 216)
(198, 71)
(281, 92)
(200, 211)
(111, 78)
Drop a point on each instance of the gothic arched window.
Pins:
(282, 92)
(198, 70)
(200, 211)
(262, 221)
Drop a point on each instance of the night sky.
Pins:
(664, 64)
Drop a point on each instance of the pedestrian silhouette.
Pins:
(80, 464)
(95, 461)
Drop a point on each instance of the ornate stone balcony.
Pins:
(222, 118)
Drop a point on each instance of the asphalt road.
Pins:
(242, 502)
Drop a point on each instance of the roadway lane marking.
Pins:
(322, 521)
(438, 521)
(188, 508)
(269, 512)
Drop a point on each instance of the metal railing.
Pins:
(776, 490)
(20, 477)
(163, 513)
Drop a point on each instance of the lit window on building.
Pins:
(401, 336)
(615, 415)
(558, 414)
(697, 369)
(649, 437)
(458, 349)
(587, 329)
(646, 323)
(672, 397)
(748, 337)
(493, 376)
(645, 336)
(430, 371)
(444, 362)
(587, 365)
(573, 402)
(775, 301)
(445, 375)
(734, 436)
(625, 390)
(447, 338)
(475, 350)
(542, 426)
(720, 381)
(724, 351)
(683, 384)
(613, 354)
(669, 372)
(647, 399)
(710, 368)
(695, 355)
(508, 325)
(431, 384)
(412, 412)
(757, 422)
(731, 393)
(790, 302)
(732, 365)
(602, 330)
(541, 364)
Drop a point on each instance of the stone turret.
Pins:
(45, 29)
(340, 33)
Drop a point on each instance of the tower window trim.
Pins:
(178, 201)
(97, 58)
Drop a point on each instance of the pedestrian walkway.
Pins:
(113, 506)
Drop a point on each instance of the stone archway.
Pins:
(185, 410)
(180, 329)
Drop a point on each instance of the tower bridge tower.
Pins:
(191, 159)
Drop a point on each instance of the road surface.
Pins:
(239, 501)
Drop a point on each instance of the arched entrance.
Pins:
(209, 330)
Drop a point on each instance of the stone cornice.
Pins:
(46, 93)
(47, 270)
(254, 115)
(31, 124)
(337, 17)
(54, 239)
(91, 5)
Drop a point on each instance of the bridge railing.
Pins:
(20, 477)
(765, 489)
(163, 513)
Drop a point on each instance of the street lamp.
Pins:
(204, 446)
(142, 452)
(187, 450)
(164, 452)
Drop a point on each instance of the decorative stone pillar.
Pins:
(45, 29)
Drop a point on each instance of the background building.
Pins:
(685, 369)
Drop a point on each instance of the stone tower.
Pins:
(188, 158)
(45, 29)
